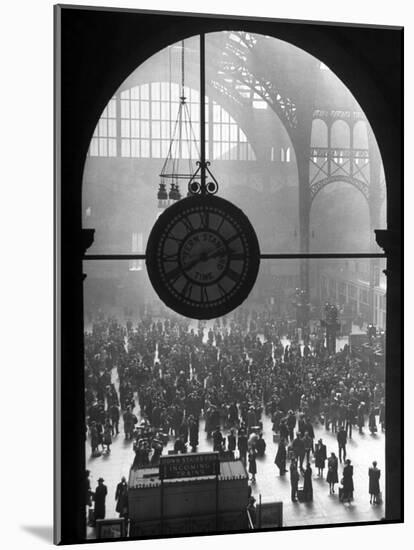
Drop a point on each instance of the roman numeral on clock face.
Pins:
(220, 225)
(234, 276)
(204, 219)
(188, 225)
(187, 290)
(170, 257)
(174, 274)
(237, 256)
(233, 238)
(204, 294)
(221, 290)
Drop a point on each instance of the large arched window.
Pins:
(146, 116)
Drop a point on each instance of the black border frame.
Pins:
(95, 49)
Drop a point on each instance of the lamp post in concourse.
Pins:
(330, 323)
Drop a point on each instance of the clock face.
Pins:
(202, 257)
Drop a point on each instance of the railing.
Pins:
(250, 521)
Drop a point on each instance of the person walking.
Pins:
(284, 430)
(252, 464)
(231, 441)
(349, 419)
(107, 436)
(307, 483)
(260, 446)
(218, 440)
(95, 440)
(121, 497)
(193, 428)
(341, 437)
(308, 444)
(280, 459)
(332, 476)
(100, 495)
(361, 416)
(298, 447)
(114, 416)
(347, 481)
(374, 474)
(372, 421)
(294, 479)
(291, 423)
(242, 446)
(320, 457)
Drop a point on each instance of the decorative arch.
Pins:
(319, 135)
(340, 134)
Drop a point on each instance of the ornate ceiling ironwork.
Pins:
(237, 70)
(338, 114)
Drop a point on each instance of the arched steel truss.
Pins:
(362, 186)
(236, 70)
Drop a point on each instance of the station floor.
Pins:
(362, 449)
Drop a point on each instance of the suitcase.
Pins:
(91, 517)
(341, 494)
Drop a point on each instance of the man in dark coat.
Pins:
(100, 495)
(347, 481)
(341, 438)
(121, 497)
(218, 440)
(298, 447)
(374, 474)
(361, 416)
(260, 445)
(280, 459)
(114, 416)
(294, 480)
(242, 446)
(129, 423)
(291, 423)
(231, 441)
(311, 432)
(180, 446)
(193, 431)
(320, 456)
(307, 483)
(350, 419)
(283, 430)
(233, 414)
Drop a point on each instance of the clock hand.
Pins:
(216, 254)
(202, 257)
(192, 263)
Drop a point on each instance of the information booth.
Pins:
(188, 493)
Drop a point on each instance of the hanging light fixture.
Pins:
(180, 162)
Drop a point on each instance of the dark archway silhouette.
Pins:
(96, 50)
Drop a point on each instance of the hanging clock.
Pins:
(203, 256)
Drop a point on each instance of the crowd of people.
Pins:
(170, 375)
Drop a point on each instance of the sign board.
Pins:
(189, 465)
